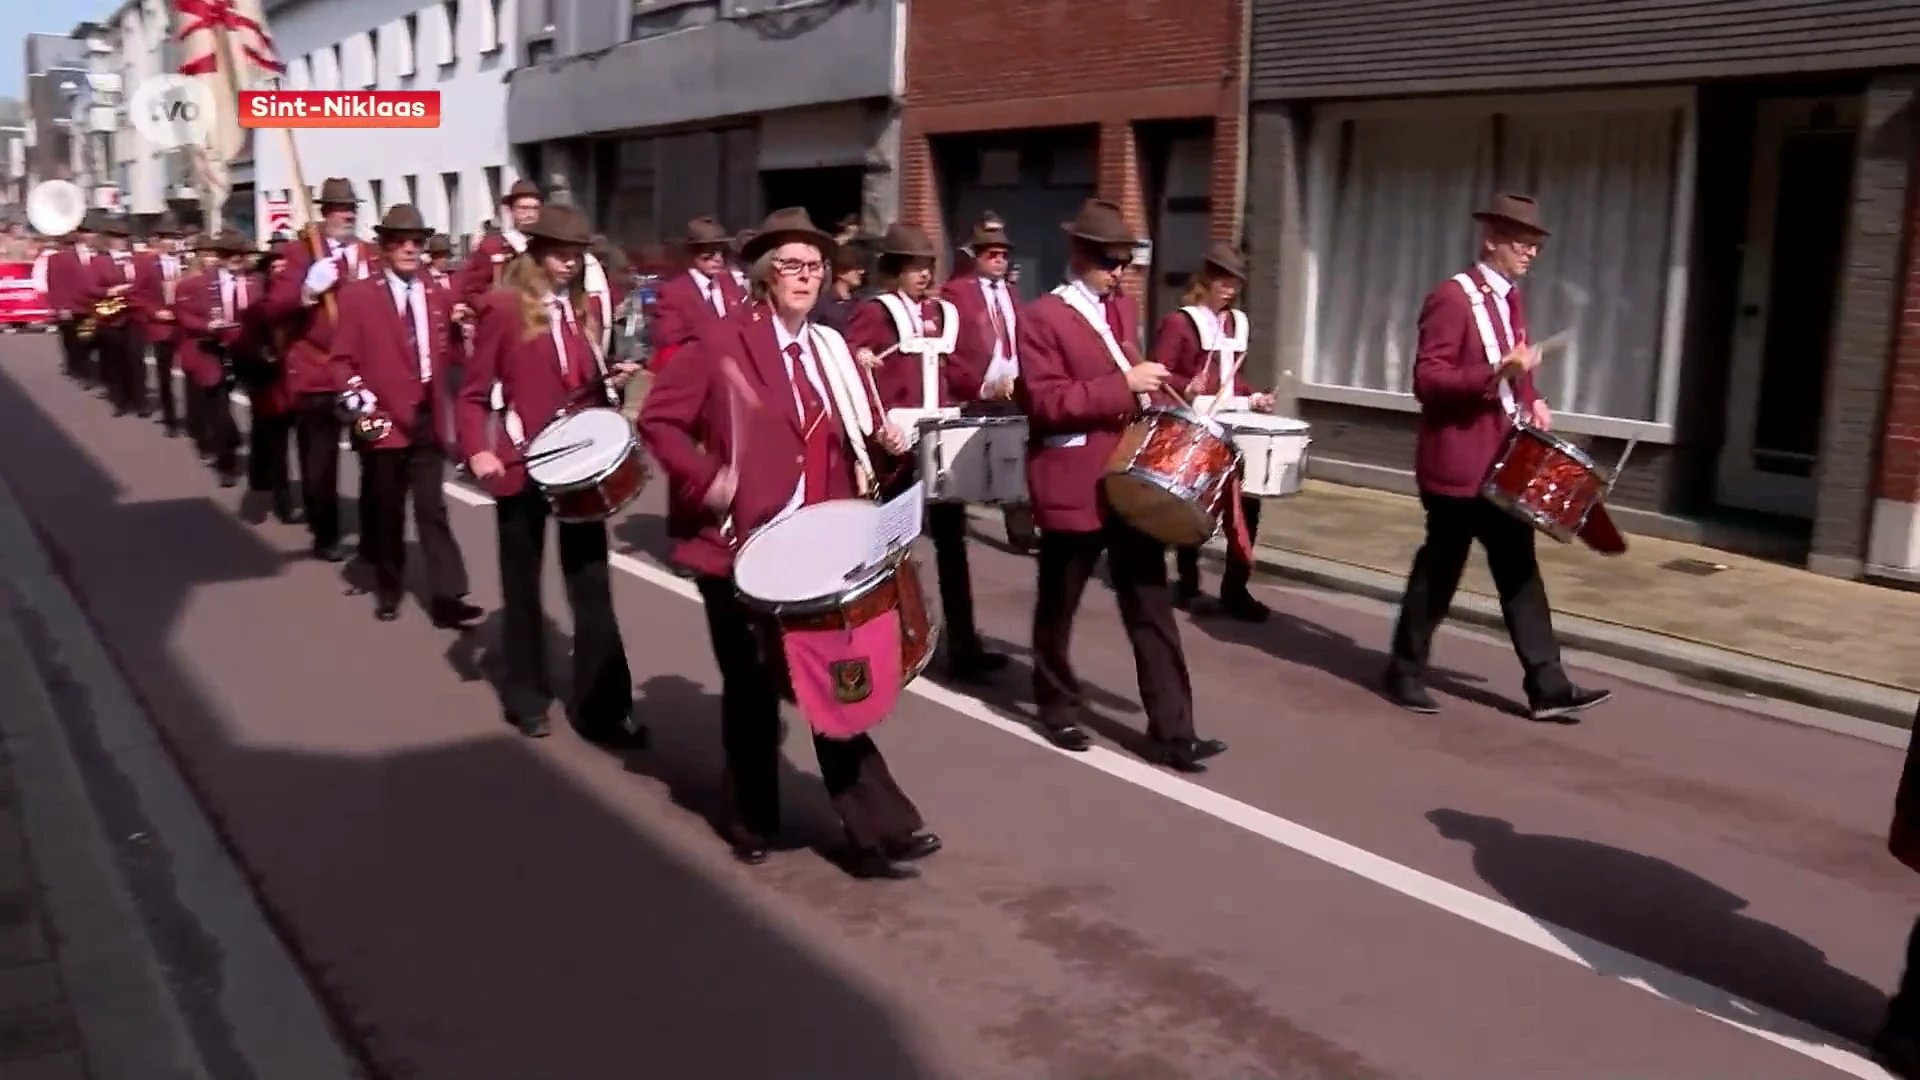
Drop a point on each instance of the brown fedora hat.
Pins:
(230, 242)
(337, 191)
(703, 231)
(165, 226)
(991, 232)
(112, 225)
(909, 240)
(740, 240)
(791, 225)
(1101, 222)
(401, 221)
(560, 225)
(1225, 258)
(439, 244)
(521, 189)
(1517, 210)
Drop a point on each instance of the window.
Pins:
(490, 28)
(363, 61)
(1392, 188)
(494, 191)
(413, 191)
(334, 70)
(449, 31)
(403, 47)
(377, 189)
(450, 191)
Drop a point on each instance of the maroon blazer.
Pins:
(104, 273)
(67, 279)
(963, 292)
(1069, 386)
(898, 376)
(528, 374)
(680, 311)
(1176, 347)
(1462, 423)
(475, 278)
(372, 344)
(306, 365)
(688, 425)
(196, 304)
(149, 295)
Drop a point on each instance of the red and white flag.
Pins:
(226, 44)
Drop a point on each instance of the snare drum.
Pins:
(807, 571)
(1546, 481)
(588, 464)
(1274, 448)
(973, 459)
(1170, 474)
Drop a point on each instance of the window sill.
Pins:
(1606, 427)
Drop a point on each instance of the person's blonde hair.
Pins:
(530, 281)
(1199, 283)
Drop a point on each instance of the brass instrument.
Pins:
(369, 423)
(104, 311)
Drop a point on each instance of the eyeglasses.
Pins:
(1112, 262)
(790, 268)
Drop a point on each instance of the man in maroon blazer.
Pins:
(117, 341)
(979, 289)
(701, 294)
(393, 351)
(745, 433)
(1473, 376)
(908, 307)
(156, 280)
(1082, 383)
(519, 208)
(300, 300)
(208, 311)
(68, 271)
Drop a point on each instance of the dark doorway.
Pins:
(828, 194)
(1033, 179)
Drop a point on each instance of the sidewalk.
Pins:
(1745, 623)
(38, 1037)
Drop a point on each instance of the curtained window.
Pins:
(1393, 188)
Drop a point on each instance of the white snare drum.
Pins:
(973, 459)
(1274, 448)
(588, 464)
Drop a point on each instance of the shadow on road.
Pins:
(1654, 910)
(467, 909)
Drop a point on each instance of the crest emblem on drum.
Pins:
(852, 681)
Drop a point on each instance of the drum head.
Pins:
(815, 554)
(607, 437)
(1264, 423)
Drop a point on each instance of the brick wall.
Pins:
(997, 65)
(1899, 476)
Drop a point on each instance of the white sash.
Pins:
(594, 277)
(1223, 351)
(1076, 299)
(846, 384)
(911, 330)
(1484, 322)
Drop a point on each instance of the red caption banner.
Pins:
(340, 108)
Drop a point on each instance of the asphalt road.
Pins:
(1674, 888)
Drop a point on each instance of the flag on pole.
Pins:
(226, 44)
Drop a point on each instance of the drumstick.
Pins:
(739, 393)
(1558, 341)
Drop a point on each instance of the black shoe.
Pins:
(627, 733)
(914, 845)
(287, 508)
(1242, 606)
(1409, 695)
(1568, 704)
(1184, 594)
(751, 852)
(1896, 1051)
(1067, 737)
(975, 664)
(454, 613)
(872, 864)
(173, 432)
(387, 608)
(228, 480)
(534, 726)
(329, 553)
(1184, 755)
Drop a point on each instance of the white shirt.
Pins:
(515, 239)
(340, 248)
(1501, 289)
(227, 311)
(405, 292)
(553, 329)
(1006, 360)
(810, 367)
(710, 289)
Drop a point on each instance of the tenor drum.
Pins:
(808, 572)
(1170, 475)
(1546, 481)
(1274, 449)
(973, 459)
(588, 464)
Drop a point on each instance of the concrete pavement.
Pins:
(1351, 892)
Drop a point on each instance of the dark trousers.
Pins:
(753, 674)
(602, 683)
(1453, 524)
(163, 352)
(387, 479)
(77, 354)
(1233, 581)
(122, 367)
(219, 436)
(316, 432)
(947, 526)
(268, 468)
(1138, 566)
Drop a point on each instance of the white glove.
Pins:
(324, 274)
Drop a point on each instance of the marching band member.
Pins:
(116, 341)
(938, 360)
(488, 260)
(804, 451)
(69, 272)
(533, 358)
(298, 299)
(1473, 376)
(439, 251)
(393, 350)
(1081, 390)
(983, 296)
(701, 294)
(209, 308)
(840, 297)
(1200, 345)
(156, 281)
(737, 259)
(270, 400)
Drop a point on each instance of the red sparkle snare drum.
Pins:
(588, 464)
(1547, 482)
(1170, 475)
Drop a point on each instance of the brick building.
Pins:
(1893, 549)
(1027, 107)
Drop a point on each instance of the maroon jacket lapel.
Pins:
(768, 365)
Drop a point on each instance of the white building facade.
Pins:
(456, 173)
(140, 36)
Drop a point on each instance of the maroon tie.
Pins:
(994, 291)
(413, 332)
(817, 430)
(812, 409)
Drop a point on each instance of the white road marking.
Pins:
(1509, 922)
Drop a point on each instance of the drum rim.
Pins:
(1305, 430)
(942, 423)
(814, 604)
(1206, 423)
(1557, 442)
(588, 519)
(631, 442)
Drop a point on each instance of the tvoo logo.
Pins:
(172, 111)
